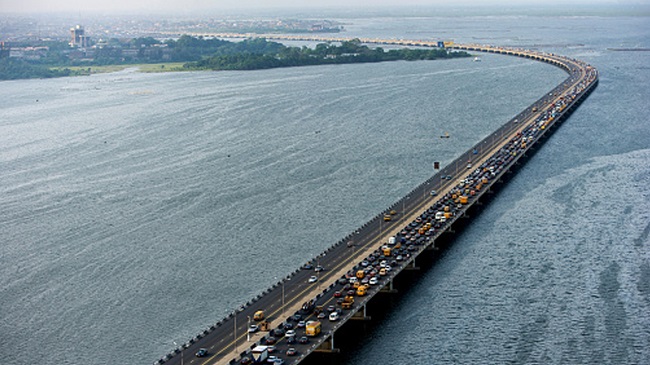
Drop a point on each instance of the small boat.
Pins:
(477, 59)
(446, 135)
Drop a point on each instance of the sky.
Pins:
(160, 6)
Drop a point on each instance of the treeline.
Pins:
(273, 55)
(12, 69)
(200, 54)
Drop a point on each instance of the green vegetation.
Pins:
(12, 69)
(56, 59)
(261, 54)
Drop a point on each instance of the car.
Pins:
(433, 193)
(271, 349)
(313, 279)
(302, 324)
(330, 308)
(245, 360)
(319, 268)
(373, 281)
(303, 340)
(290, 333)
(278, 361)
(253, 328)
(307, 266)
(271, 359)
(288, 326)
(296, 317)
(337, 294)
(202, 352)
(270, 340)
(342, 281)
(278, 332)
(291, 340)
(291, 351)
(334, 316)
(321, 315)
(365, 263)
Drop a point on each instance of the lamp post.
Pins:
(276, 278)
(404, 205)
(248, 333)
(182, 349)
(319, 270)
(234, 333)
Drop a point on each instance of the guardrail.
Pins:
(574, 88)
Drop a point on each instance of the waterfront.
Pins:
(136, 206)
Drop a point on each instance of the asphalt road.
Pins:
(228, 339)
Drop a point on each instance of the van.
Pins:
(391, 240)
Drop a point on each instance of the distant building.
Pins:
(78, 38)
(4, 50)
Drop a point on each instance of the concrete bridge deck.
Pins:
(492, 160)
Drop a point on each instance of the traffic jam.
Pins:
(300, 333)
(318, 319)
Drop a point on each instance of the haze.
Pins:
(166, 6)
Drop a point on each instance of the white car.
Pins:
(334, 316)
(290, 333)
(253, 328)
(373, 281)
(313, 279)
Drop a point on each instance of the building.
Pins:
(78, 38)
(4, 50)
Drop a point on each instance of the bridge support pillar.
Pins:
(360, 315)
(328, 346)
(412, 266)
(389, 288)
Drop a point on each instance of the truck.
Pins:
(312, 328)
(260, 354)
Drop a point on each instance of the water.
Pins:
(137, 210)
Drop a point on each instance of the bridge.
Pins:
(417, 222)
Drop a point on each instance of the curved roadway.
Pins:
(228, 340)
